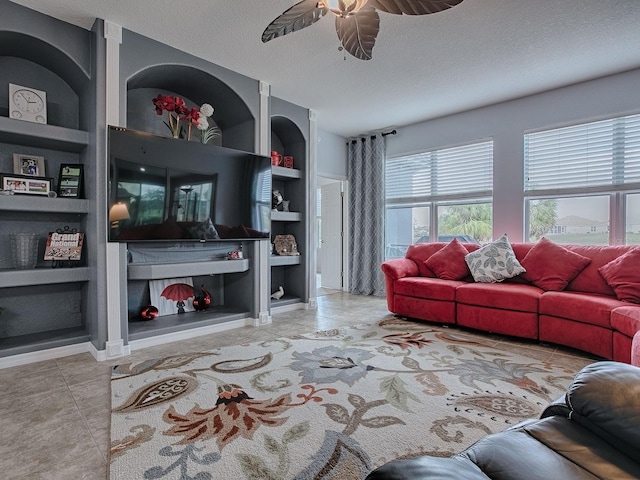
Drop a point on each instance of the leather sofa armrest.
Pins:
(605, 398)
(429, 468)
(558, 408)
(398, 268)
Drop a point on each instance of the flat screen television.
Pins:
(162, 188)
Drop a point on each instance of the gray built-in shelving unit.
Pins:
(46, 307)
(289, 136)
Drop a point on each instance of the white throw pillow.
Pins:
(494, 262)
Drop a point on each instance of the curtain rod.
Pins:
(384, 134)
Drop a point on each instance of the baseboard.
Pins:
(289, 308)
(187, 334)
(47, 354)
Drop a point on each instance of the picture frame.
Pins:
(172, 295)
(31, 165)
(26, 184)
(70, 180)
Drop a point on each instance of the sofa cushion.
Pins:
(590, 279)
(623, 275)
(420, 252)
(551, 266)
(494, 262)
(626, 320)
(423, 287)
(204, 230)
(605, 399)
(522, 298)
(579, 306)
(448, 262)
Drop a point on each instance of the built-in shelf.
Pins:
(285, 300)
(284, 173)
(37, 341)
(282, 260)
(157, 271)
(32, 134)
(139, 329)
(43, 276)
(277, 216)
(43, 204)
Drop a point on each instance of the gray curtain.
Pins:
(366, 158)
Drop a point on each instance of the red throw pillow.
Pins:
(448, 263)
(623, 275)
(551, 266)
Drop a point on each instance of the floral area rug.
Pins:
(327, 405)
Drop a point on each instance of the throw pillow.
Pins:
(623, 275)
(550, 266)
(204, 230)
(494, 262)
(448, 262)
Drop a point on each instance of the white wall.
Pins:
(332, 155)
(507, 122)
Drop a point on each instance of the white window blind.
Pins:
(447, 172)
(590, 155)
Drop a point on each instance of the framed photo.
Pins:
(32, 165)
(26, 184)
(70, 180)
(172, 295)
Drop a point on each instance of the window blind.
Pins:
(595, 154)
(466, 169)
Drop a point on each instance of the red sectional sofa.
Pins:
(588, 314)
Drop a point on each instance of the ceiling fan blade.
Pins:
(358, 32)
(299, 16)
(413, 7)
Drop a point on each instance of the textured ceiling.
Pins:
(477, 53)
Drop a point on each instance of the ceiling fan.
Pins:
(357, 21)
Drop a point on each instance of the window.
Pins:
(632, 219)
(438, 195)
(577, 177)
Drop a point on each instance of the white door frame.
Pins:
(324, 178)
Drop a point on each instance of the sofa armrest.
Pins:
(429, 468)
(558, 408)
(605, 398)
(398, 268)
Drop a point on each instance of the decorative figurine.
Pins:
(203, 300)
(278, 294)
(276, 199)
(149, 313)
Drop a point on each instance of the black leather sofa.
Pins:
(593, 432)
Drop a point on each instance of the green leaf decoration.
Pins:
(381, 422)
(254, 468)
(337, 413)
(411, 364)
(297, 432)
(261, 383)
(271, 445)
(396, 393)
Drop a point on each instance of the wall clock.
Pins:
(26, 103)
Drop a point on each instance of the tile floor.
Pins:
(54, 415)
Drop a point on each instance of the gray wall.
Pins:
(332, 154)
(507, 122)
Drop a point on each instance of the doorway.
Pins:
(330, 240)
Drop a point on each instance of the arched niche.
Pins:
(288, 139)
(31, 62)
(196, 87)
